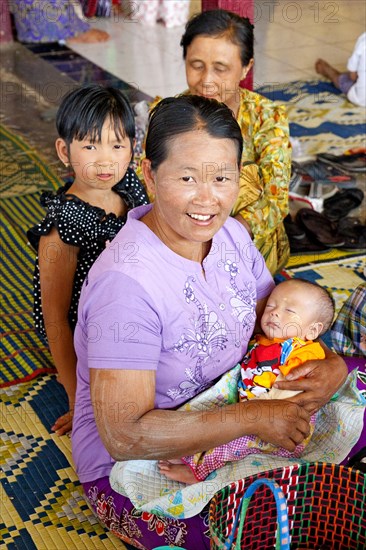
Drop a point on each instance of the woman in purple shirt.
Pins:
(164, 312)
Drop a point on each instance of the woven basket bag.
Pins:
(322, 505)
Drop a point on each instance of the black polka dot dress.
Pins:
(85, 226)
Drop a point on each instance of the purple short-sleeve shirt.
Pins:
(143, 306)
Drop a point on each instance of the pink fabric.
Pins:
(173, 13)
(234, 451)
(5, 23)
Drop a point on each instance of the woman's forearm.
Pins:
(163, 434)
(132, 429)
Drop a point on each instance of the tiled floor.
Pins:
(147, 61)
(289, 37)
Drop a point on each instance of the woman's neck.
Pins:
(234, 103)
(194, 251)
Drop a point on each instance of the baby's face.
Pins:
(290, 311)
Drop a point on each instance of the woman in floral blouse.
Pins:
(218, 53)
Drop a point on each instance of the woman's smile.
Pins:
(202, 219)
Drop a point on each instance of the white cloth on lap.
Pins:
(338, 426)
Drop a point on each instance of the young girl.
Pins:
(96, 131)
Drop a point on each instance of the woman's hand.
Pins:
(318, 380)
(280, 422)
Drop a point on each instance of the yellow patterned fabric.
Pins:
(264, 176)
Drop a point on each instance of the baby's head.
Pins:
(297, 308)
(85, 109)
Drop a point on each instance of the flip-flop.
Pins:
(355, 162)
(340, 204)
(293, 231)
(318, 227)
(305, 245)
(300, 243)
(321, 173)
(296, 176)
(353, 232)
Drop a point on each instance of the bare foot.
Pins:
(89, 37)
(323, 68)
(63, 424)
(177, 471)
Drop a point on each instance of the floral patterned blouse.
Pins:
(265, 175)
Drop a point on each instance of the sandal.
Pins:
(321, 173)
(318, 227)
(296, 176)
(340, 204)
(299, 240)
(293, 231)
(355, 162)
(353, 232)
(305, 245)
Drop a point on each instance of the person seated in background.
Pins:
(353, 81)
(348, 331)
(218, 54)
(39, 21)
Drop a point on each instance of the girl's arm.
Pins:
(131, 428)
(57, 266)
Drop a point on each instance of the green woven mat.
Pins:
(22, 169)
(23, 177)
(331, 255)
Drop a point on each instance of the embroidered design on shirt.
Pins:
(207, 337)
(209, 334)
(243, 300)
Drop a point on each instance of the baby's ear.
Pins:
(62, 151)
(314, 330)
